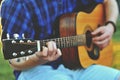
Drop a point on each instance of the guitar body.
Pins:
(82, 23)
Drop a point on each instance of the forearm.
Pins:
(48, 54)
(111, 10)
(25, 62)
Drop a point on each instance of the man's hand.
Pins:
(49, 53)
(103, 35)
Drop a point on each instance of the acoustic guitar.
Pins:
(75, 41)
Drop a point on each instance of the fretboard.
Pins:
(65, 42)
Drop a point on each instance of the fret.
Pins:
(63, 42)
(66, 42)
(81, 40)
(57, 42)
(70, 40)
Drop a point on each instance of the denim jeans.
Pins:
(94, 72)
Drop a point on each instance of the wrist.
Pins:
(113, 25)
(39, 59)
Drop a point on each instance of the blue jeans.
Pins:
(94, 72)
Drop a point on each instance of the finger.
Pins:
(52, 48)
(102, 44)
(59, 53)
(45, 51)
(98, 31)
(101, 37)
(42, 53)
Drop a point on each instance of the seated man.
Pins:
(36, 18)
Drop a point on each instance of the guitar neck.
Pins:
(65, 42)
(23, 47)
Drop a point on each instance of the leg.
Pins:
(97, 72)
(46, 73)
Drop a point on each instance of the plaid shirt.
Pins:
(36, 18)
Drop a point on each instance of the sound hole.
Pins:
(92, 49)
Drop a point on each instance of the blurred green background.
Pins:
(6, 72)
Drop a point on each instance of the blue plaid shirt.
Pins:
(37, 18)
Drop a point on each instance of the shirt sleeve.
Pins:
(16, 19)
